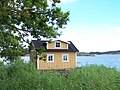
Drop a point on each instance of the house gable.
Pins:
(58, 44)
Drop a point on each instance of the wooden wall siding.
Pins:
(52, 45)
(58, 64)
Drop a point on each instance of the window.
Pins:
(50, 57)
(65, 57)
(58, 45)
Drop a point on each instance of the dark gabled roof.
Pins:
(43, 44)
(39, 44)
(72, 47)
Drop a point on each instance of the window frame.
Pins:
(63, 57)
(52, 57)
(56, 45)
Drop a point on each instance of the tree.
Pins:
(21, 18)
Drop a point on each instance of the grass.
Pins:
(21, 76)
(95, 78)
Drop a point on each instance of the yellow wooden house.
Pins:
(59, 54)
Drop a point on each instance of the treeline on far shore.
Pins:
(97, 53)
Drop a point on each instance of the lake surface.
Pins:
(106, 60)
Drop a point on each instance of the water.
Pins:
(106, 60)
(26, 59)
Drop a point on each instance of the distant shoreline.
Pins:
(86, 55)
(98, 53)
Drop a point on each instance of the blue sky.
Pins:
(94, 24)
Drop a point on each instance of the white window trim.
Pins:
(38, 62)
(67, 46)
(50, 55)
(67, 57)
(57, 42)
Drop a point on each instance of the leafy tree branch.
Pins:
(21, 18)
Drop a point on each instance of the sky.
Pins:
(94, 24)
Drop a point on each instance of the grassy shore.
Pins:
(21, 76)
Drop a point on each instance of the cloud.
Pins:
(106, 25)
(116, 29)
(89, 38)
(62, 1)
(67, 1)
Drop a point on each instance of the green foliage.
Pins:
(94, 78)
(42, 55)
(20, 18)
(19, 76)
(23, 76)
(53, 81)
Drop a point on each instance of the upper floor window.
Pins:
(57, 44)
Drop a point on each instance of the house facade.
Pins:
(59, 54)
